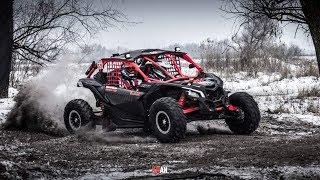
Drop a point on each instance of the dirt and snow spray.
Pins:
(41, 100)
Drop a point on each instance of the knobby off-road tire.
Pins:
(167, 120)
(78, 114)
(251, 114)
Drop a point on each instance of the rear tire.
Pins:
(77, 114)
(167, 120)
(251, 114)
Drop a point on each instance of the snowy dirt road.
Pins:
(285, 146)
(217, 154)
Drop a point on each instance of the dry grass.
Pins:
(311, 69)
(305, 93)
(314, 108)
(285, 73)
(279, 110)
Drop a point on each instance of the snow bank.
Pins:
(7, 104)
(278, 96)
(270, 84)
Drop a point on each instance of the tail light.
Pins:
(232, 108)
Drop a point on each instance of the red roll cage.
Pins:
(113, 67)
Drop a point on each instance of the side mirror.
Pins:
(191, 66)
(127, 56)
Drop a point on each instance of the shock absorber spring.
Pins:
(182, 100)
(102, 108)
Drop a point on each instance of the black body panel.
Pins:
(124, 106)
(128, 108)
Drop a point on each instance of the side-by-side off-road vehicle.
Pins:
(160, 91)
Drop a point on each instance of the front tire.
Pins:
(250, 118)
(77, 114)
(167, 120)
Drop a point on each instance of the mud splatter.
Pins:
(29, 114)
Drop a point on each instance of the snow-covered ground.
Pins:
(287, 172)
(287, 116)
(280, 97)
(7, 104)
(277, 97)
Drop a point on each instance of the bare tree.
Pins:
(42, 27)
(305, 13)
(215, 53)
(6, 34)
(256, 34)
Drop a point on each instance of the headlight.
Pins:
(193, 94)
(79, 84)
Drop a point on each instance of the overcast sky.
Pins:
(165, 22)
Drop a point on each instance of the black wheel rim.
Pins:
(74, 120)
(163, 122)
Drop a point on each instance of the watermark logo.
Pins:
(156, 169)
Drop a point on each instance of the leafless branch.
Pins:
(43, 27)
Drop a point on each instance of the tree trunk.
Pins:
(6, 42)
(311, 11)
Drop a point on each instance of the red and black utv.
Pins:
(160, 91)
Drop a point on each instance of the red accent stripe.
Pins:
(190, 110)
